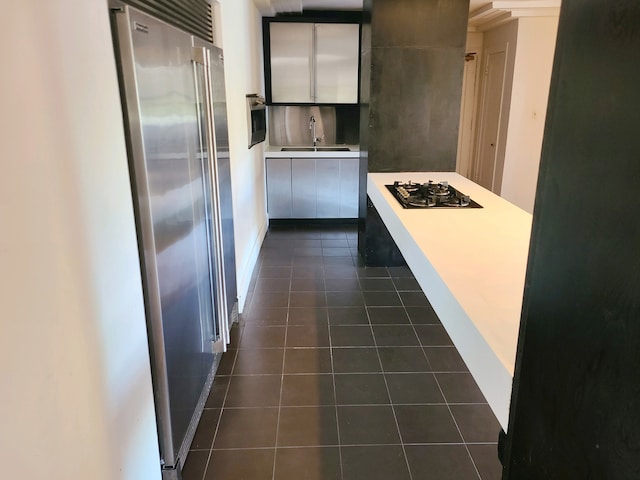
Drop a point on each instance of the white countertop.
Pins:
(273, 151)
(471, 264)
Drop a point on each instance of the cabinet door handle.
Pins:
(313, 63)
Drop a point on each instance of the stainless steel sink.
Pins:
(317, 149)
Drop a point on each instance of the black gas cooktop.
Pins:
(430, 195)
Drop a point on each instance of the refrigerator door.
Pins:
(171, 178)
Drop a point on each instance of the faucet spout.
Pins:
(312, 127)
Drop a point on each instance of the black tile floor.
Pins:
(337, 371)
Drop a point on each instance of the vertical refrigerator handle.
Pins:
(201, 55)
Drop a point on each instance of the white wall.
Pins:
(532, 76)
(76, 398)
(242, 45)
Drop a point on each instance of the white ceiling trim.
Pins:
(264, 7)
(272, 7)
(287, 6)
(496, 13)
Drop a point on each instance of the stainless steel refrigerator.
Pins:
(172, 87)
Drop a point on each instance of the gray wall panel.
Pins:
(412, 60)
(574, 407)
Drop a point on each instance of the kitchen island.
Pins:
(471, 264)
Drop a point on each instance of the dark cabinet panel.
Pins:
(575, 409)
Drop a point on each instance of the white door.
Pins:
(489, 162)
(467, 114)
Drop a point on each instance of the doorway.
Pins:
(468, 114)
(488, 162)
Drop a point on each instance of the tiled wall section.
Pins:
(412, 64)
(412, 60)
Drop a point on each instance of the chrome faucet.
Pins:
(312, 127)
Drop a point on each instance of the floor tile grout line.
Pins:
(415, 332)
(291, 447)
(414, 404)
(284, 358)
(441, 390)
(222, 406)
(441, 372)
(206, 464)
(393, 409)
(345, 445)
(335, 393)
(439, 387)
(464, 442)
(339, 374)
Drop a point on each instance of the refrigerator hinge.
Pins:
(217, 346)
(174, 473)
(199, 55)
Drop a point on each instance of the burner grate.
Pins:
(430, 195)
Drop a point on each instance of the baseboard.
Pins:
(286, 222)
(245, 282)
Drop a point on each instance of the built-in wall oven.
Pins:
(257, 119)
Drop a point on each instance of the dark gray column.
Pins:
(412, 61)
(575, 408)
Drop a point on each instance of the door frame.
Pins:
(469, 112)
(476, 164)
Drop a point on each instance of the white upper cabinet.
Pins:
(337, 58)
(313, 62)
(291, 62)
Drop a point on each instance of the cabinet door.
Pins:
(328, 187)
(337, 53)
(349, 185)
(291, 62)
(279, 187)
(303, 187)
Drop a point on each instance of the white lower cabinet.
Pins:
(303, 188)
(279, 187)
(349, 186)
(328, 188)
(312, 187)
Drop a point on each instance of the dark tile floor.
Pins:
(337, 371)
